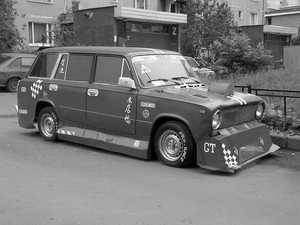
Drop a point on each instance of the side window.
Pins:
(16, 64)
(108, 69)
(27, 62)
(61, 70)
(126, 70)
(44, 65)
(79, 67)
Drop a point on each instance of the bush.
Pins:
(236, 53)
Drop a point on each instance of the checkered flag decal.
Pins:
(36, 88)
(230, 158)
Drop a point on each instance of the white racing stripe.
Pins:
(236, 99)
(240, 98)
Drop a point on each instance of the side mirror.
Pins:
(127, 82)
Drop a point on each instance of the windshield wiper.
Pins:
(186, 78)
(164, 79)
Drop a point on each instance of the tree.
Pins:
(235, 52)
(208, 21)
(9, 35)
(64, 34)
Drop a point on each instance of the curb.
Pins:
(288, 142)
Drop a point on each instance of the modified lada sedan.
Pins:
(144, 103)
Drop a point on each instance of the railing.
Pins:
(284, 94)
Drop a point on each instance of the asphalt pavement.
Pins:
(62, 183)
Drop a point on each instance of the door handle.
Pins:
(93, 92)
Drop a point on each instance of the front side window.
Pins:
(158, 70)
(108, 69)
(44, 65)
(79, 67)
(4, 58)
(40, 34)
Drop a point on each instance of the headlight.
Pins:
(216, 120)
(259, 111)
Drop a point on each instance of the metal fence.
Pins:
(276, 93)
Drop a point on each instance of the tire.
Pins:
(182, 152)
(12, 84)
(48, 124)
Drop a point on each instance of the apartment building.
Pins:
(36, 18)
(133, 23)
(247, 12)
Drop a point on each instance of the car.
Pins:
(143, 103)
(13, 67)
(201, 72)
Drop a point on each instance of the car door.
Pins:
(110, 107)
(68, 88)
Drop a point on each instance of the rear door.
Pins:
(69, 86)
(110, 107)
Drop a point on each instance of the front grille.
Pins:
(237, 115)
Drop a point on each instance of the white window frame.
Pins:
(146, 2)
(254, 18)
(49, 28)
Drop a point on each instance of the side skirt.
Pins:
(112, 143)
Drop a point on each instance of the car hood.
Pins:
(202, 96)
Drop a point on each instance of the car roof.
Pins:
(15, 54)
(125, 51)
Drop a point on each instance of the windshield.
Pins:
(158, 70)
(4, 58)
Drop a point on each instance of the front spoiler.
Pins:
(272, 149)
(235, 147)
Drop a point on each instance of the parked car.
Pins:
(13, 67)
(142, 102)
(201, 72)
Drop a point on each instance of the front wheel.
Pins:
(48, 123)
(174, 145)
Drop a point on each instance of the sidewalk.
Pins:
(8, 101)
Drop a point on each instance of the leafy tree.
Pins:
(64, 34)
(208, 21)
(235, 52)
(9, 35)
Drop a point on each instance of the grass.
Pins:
(274, 79)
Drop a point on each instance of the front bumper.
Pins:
(234, 147)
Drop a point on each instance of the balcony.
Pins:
(151, 16)
(281, 30)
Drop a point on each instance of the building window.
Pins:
(269, 20)
(141, 4)
(40, 34)
(240, 14)
(253, 19)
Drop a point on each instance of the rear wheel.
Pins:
(174, 145)
(48, 123)
(12, 84)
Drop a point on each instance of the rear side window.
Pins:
(61, 70)
(27, 62)
(16, 64)
(79, 67)
(108, 69)
(44, 65)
